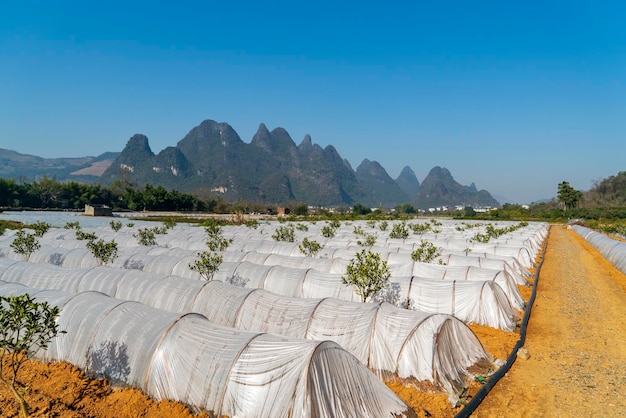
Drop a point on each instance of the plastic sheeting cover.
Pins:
(233, 373)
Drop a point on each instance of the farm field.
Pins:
(496, 341)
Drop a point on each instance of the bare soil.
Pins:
(576, 339)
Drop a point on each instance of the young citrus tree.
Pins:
(285, 233)
(368, 240)
(26, 326)
(215, 238)
(399, 231)
(82, 235)
(146, 236)
(40, 228)
(102, 250)
(367, 273)
(426, 252)
(207, 264)
(25, 244)
(116, 225)
(309, 247)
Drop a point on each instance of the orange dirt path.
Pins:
(576, 339)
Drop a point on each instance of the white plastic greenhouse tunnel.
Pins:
(613, 250)
(392, 342)
(218, 369)
(268, 292)
(471, 300)
(290, 274)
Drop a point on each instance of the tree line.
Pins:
(48, 193)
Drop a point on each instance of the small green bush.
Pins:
(399, 231)
(40, 228)
(328, 231)
(207, 264)
(25, 244)
(104, 252)
(145, 236)
(368, 240)
(367, 273)
(310, 247)
(26, 327)
(426, 252)
(285, 233)
(116, 225)
(72, 225)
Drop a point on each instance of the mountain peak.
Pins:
(382, 189)
(440, 189)
(372, 168)
(407, 180)
(261, 133)
(472, 188)
(439, 172)
(272, 142)
(306, 142)
(139, 143)
(212, 159)
(307, 146)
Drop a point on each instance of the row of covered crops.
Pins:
(612, 249)
(289, 295)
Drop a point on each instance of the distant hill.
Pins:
(407, 180)
(610, 192)
(29, 167)
(440, 189)
(213, 160)
(380, 187)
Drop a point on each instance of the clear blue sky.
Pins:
(513, 96)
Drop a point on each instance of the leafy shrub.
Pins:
(334, 224)
(237, 280)
(145, 236)
(426, 252)
(399, 231)
(25, 244)
(116, 225)
(420, 228)
(302, 227)
(493, 232)
(40, 228)
(26, 327)
(368, 240)
(478, 237)
(285, 233)
(169, 223)
(216, 241)
(72, 225)
(252, 223)
(207, 264)
(328, 231)
(82, 235)
(310, 247)
(104, 252)
(367, 273)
